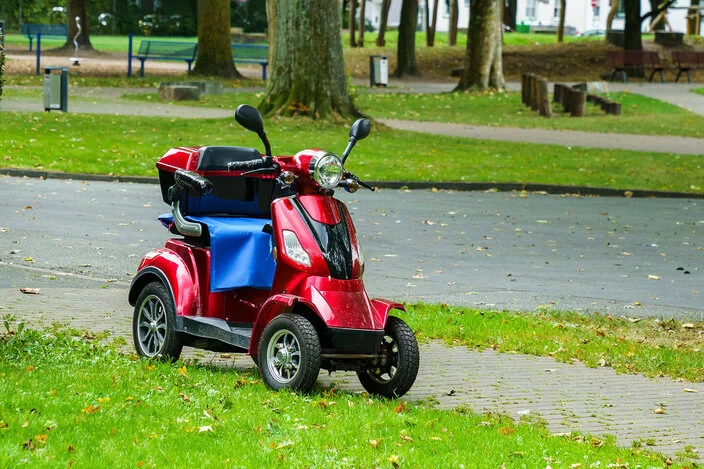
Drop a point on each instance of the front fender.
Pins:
(274, 306)
(174, 272)
(382, 308)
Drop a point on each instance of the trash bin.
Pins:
(378, 70)
(56, 88)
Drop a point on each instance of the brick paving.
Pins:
(568, 397)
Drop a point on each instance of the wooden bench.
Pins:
(252, 53)
(686, 62)
(51, 30)
(638, 60)
(164, 50)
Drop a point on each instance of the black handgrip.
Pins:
(189, 180)
(250, 165)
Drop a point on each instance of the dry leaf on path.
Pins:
(30, 291)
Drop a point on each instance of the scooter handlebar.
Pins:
(188, 180)
(251, 165)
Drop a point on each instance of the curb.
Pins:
(555, 189)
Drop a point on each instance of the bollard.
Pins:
(578, 99)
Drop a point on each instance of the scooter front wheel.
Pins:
(395, 371)
(153, 328)
(289, 353)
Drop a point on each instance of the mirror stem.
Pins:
(267, 146)
(350, 146)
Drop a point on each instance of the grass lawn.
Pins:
(130, 145)
(640, 114)
(698, 90)
(646, 346)
(69, 400)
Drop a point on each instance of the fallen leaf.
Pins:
(182, 371)
(28, 259)
(205, 428)
(30, 291)
(402, 407)
(41, 438)
(506, 431)
(685, 390)
(406, 438)
(374, 443)
(688, 325)
(653, 277)
(91, 409)
(660, 410)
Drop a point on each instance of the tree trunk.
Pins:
(352, 27)
(692, 17)
(510, 10)
(613, 11)
(561, 25)
(406, 53)
(431, 25)
(454, 18)
(214, 56)
(77, 8)
(655, 9)
(483, 67)
(380, 40)
(632, 34)
(362, 7)
(307, 69)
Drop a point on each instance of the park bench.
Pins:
(252, 53)
(164, 50)
(46, 30)
(686, 62)
(638, 60)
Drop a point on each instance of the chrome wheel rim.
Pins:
(389, 366)
(151, 325)
(283, 356)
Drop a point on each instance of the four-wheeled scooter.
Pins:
(268, 263)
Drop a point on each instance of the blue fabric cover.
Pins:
(240, 252)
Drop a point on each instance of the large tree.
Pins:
(483, 65)
(632, 39)
(406, 52)
(307, 68)
(352, 22)
(383, 21)
(362, 19)
(214, 57)
(77, 8)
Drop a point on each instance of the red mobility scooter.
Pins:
(268, 263)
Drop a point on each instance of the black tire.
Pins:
(397, 367)
(289, 353)
(153, 328)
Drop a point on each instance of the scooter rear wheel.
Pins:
(399, 360)
(153, 328)
(289, 353)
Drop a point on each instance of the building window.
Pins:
(530, 8)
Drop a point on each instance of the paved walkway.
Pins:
(569, 397)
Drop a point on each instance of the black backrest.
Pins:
(217, 158)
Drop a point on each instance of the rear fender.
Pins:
(165, 266)
(382, 308)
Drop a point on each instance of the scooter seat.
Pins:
(240, 251)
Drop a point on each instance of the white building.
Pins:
(582, 15)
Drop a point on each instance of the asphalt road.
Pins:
(513, 251)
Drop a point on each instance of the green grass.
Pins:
(640, 114)
(119, 44)
(698, 90)
(131, 145)
(68, 400)
(645, 346)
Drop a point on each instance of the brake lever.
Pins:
(360, 182)
(274, 168)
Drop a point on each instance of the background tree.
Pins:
(632, 39)
(362, 8)
(561, 24)
(613, 11)
(76, 8)
(454, 18)
(380, 40)
(483, 66)
(305, 55)
(692, 26)
(352, 21)
(510, 10)
(214, 57)
(406, 52)
(430, 25)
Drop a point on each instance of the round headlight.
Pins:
(326, 170)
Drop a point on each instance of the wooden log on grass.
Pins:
(524, 88)
(544, 102)
(557, 91)
(613, 108)
(578, 100)
(566, 98)
(534, 93)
